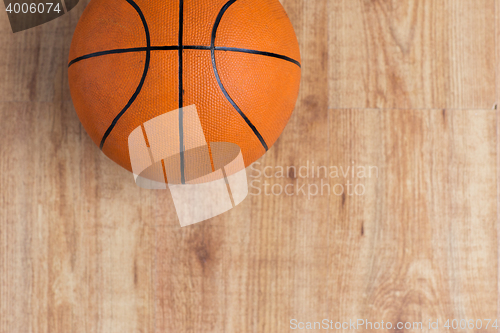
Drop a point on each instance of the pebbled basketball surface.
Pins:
(237, 61)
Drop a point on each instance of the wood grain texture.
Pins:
(77, 239)
(412, 54)
(424, 233)
(404, 87)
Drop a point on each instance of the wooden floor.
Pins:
(405, 87)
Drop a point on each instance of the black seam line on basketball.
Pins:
(224, 91)
(98, 54)
(186, 47)
(164, 48)
(144, 74)
(132, 49)
(250, 51)
(196, 47)
(181, 89)
(180, 50)
(267, 54)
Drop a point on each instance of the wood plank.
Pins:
(34, 62)
(497, 72)
(76, 239)
(81, 259)
(257, 266)
(412, 54)
(421, 244)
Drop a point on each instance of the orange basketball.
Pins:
(238, 61)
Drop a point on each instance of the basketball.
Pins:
(237, 61)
